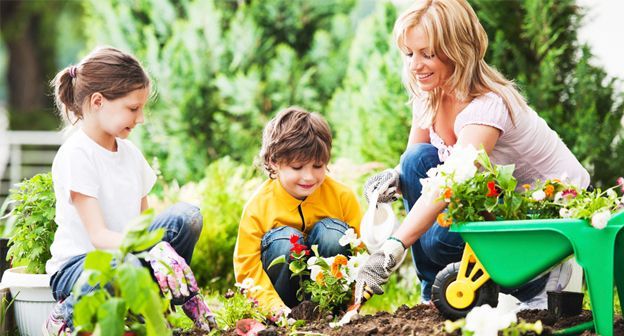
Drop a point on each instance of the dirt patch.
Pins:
(426, 321)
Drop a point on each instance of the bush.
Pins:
(223, 191)
(34, 210)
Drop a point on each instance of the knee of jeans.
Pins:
(441, 252)
(278, 240)
(189, 217)
(419, 158)
(326, 233)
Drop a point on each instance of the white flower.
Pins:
(349, 238)
(246, 284)
(600, 218)
(487, 321)
(460, 165)
(353, 266)
(558, 197)
(611, 194)
(538, 195)
(565, 213)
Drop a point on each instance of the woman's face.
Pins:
(428, 69)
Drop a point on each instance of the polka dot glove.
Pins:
(172, 273)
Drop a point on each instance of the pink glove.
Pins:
(197, 310)
(171, 271)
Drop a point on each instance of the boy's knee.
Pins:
(278, 240)
(327, 233)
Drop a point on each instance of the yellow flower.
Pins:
(549, 190)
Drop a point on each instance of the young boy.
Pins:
(297, 199)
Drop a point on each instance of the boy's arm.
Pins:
(248, 262)
(352, 211)
(91, 216)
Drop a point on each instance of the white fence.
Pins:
(30, 153)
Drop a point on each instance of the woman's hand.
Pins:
(171, 271)
(379, 266)
(385, 183)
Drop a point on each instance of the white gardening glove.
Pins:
(379, 266)
(385, 183)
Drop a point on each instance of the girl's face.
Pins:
(300, 179)
(119, 116)
(430, 71)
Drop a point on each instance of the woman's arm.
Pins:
(424, 212)
(91, 216)
(417, 135)
(144, 204)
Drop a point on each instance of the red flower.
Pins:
(298, 248)
(620, 182)
(294, 239)
(492, 190)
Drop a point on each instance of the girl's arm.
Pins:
(424, 212)
(144, 204)
(91, 216)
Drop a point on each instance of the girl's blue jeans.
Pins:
(439, 247)
(182, 223)
(275, 243)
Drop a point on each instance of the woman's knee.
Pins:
(418, 159)
(443, 249)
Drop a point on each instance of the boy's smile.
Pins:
(300, 179)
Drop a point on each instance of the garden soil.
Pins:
(421, 320)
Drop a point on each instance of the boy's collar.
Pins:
(290, 202)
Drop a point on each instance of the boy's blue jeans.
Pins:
(182, 223)
(275, 243)
(439, 247)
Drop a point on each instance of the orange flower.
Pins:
(549, 190)
(556, 181)
(526, 186)
(444, 220)
(335, 271)
(340, 260)
(448, 192)
(320, 278)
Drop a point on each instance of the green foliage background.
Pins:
(222, 69)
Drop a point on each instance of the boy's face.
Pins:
(300, 179)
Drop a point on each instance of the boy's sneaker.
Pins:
(55, 325)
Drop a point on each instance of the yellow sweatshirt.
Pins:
(272, 206)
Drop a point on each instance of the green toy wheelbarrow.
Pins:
(511, 253)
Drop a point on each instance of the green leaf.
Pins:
(98, 260)
(279, 260)
(85, 310)
(111, 316)
(297, 267)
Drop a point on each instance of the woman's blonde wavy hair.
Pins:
(455, 32)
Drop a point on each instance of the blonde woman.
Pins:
(457, 100)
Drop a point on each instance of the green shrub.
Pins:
(224, 191)
(34, 226)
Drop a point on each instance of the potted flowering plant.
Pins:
(33, 227)
(482, 191)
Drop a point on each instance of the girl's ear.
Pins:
(96, 100)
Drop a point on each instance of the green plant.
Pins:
(239, 304)
(221, 194)
(33, 211)
(124, 289)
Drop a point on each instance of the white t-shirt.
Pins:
(119, 180)
(527, 141)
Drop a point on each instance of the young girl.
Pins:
(457, 100)
(101, 181)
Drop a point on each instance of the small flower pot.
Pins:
(563, 304)
(33, 298)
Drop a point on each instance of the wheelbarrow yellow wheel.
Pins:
(454, 299)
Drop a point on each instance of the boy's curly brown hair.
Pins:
(295, 135)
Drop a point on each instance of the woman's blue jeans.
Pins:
(275, 243)
(182, 223)
(439, 247)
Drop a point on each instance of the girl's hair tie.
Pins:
(72, 71)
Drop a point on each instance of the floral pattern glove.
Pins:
(379, 266)
(385, 183)
(171, 271)
(197, 310)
